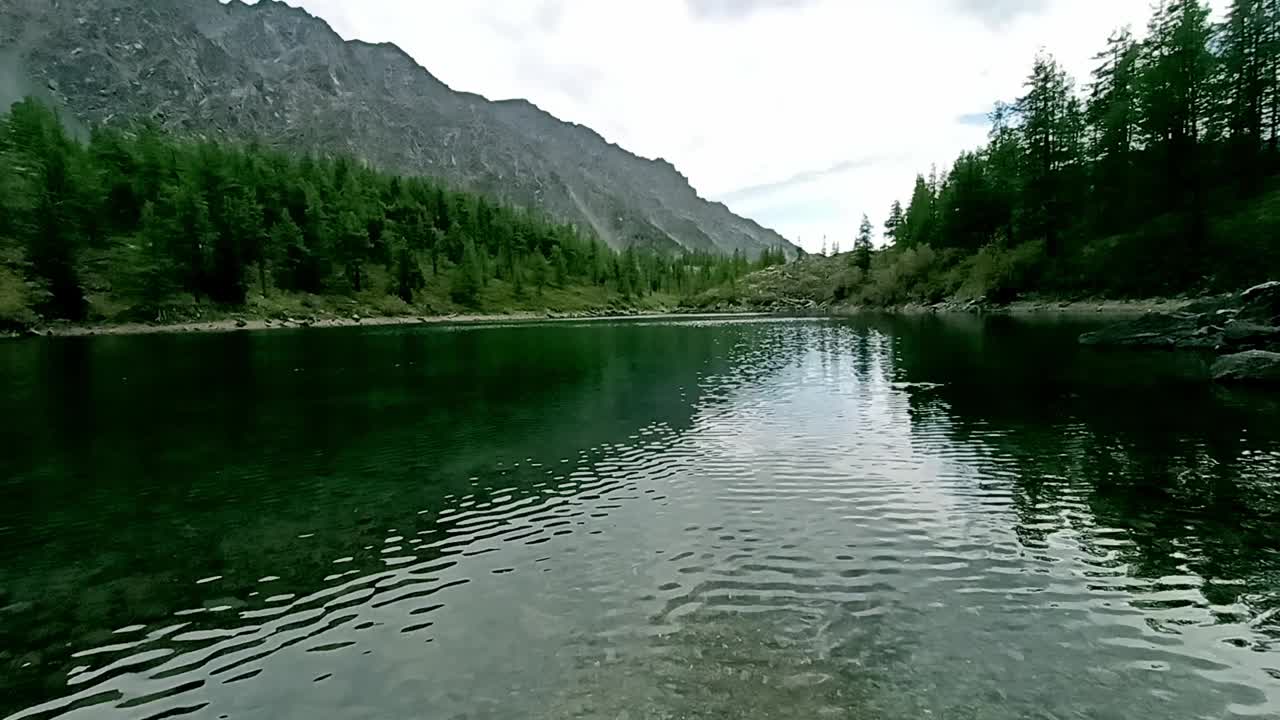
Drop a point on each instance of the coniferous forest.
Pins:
(142, 226)
(1158, 175)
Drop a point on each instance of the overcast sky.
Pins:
(801, 114)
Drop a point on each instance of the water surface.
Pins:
(869, 518)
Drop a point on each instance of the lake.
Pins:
(882, 517)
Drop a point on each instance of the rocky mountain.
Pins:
(275, 73)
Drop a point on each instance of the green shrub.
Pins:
(999, 274)
(902, 275)
(15, 302)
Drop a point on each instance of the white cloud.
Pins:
(802, 114)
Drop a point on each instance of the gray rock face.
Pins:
(1252, 366)
(277, 74)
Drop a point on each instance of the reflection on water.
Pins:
(882, 517)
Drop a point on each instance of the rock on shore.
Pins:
(1248, 321)
(1251, 366)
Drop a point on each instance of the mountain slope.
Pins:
(274, 72)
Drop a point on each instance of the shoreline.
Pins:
(245, 324)
(1027, 307)
(241, 323)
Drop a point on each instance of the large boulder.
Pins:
(1260, 304)
(1251, 366)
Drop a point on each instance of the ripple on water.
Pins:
(825, 536)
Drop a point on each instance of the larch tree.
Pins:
(1112, 116)
(1051, 126)
(1175, 79)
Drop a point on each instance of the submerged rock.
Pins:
(1253, 366)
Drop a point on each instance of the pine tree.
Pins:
(54, 231)
(409, 277)
(468, 278)
(1051, 131)
(1177, 68)
(154, 274)
(893, 222)
(559, 268)
(194, 239)
(352, 238)
(1248, 76)
(967, 214)
(862, 245)
(918, 226)
(241, 238)
(293, 269)
(1004, 173)
(540, 269)
(1112, 115)
(517, 277)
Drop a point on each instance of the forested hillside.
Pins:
(1158, 176)
(138, 225)
(273, 73)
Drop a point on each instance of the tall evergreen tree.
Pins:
(559, 268)
(1246, 43)
(54, 228)
(154, 275)
(294, 266)
(919, 222)
(352, 238)
(893, 222)
(1177, 69)
(862, 245)
(1051, 132)
(1112, 114)
(469, 276)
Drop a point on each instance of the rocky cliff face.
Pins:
(275, 73)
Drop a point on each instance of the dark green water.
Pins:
(882, 518)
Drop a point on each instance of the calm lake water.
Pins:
(868, 518)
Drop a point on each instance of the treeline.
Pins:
(139, 220)
(1158, 176)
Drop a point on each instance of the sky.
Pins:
(800, 114)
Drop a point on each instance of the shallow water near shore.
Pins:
(880, 517)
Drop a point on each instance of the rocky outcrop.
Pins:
(275, 73)
(1245, 335)
(1251, 366)
(1231, 324)
(1161, 330)
(1260, 304)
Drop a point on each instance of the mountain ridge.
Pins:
(275, 72)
